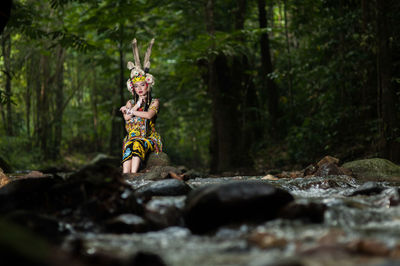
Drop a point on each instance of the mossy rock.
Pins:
(157, 159)
(376, 169)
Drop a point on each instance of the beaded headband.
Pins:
(137, 74)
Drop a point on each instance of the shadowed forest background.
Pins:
(244, 85)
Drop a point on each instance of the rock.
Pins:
(159, 172)
(369, 247)
(211, 206)
(328, 169)
(375, 169)
(266, 240)
(34, 174)
(25, 192)
(368, 188)
(311, 212)
(161, 214)
(270, 177)
(191, 174)
(168, 187)
(43, 225)
(309, 170)
(100, 170)
(160, 159)
(126, 223)
(328, 159)
(292, 174)
(146, 259)
(286, 262)
(19, 246)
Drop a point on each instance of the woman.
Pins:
(140, 115)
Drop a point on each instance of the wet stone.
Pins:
(163, 212)
(168, 187)
(266, 240)
(368, 188)
(146, 259)
(126, 223)
(211, 206)
(307, 212)
(328, 169)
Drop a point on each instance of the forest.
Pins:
(244, 85)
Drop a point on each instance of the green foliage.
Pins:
(324, 61)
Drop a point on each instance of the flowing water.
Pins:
(357, 230)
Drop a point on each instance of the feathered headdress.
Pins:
(137, 73)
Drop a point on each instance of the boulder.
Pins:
(159, 172)
(328, 159)
(211, 206)
(375, 169)
(160, 159)
(101, 169)
(328, 169)
(167, 187)
(25, 192)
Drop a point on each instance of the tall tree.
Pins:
(388, 98)
(267, 69)
(59, 100)
(6, 49)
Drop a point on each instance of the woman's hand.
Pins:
(123, 109)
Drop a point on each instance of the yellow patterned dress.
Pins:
(142, 136)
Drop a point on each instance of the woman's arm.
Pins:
(126, 111)
(150, 113)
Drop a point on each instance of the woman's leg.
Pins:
(126, 167)
(135, 164)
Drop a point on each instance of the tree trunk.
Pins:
(266, 70)
(224, 133)
(59, 101)
(386, 88)
(117, 124)
(230, 90)
(28, 93)
(6, 47)
(43, 106)
(95, 112)
(211, 77)
(289, 55)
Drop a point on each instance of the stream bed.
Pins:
(333, 220)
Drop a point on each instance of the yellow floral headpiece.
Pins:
(138, 78)
(137, 74)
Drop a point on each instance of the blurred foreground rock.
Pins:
(211, 206)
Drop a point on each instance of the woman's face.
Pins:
(141, 88)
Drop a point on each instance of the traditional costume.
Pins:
(142, 136)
